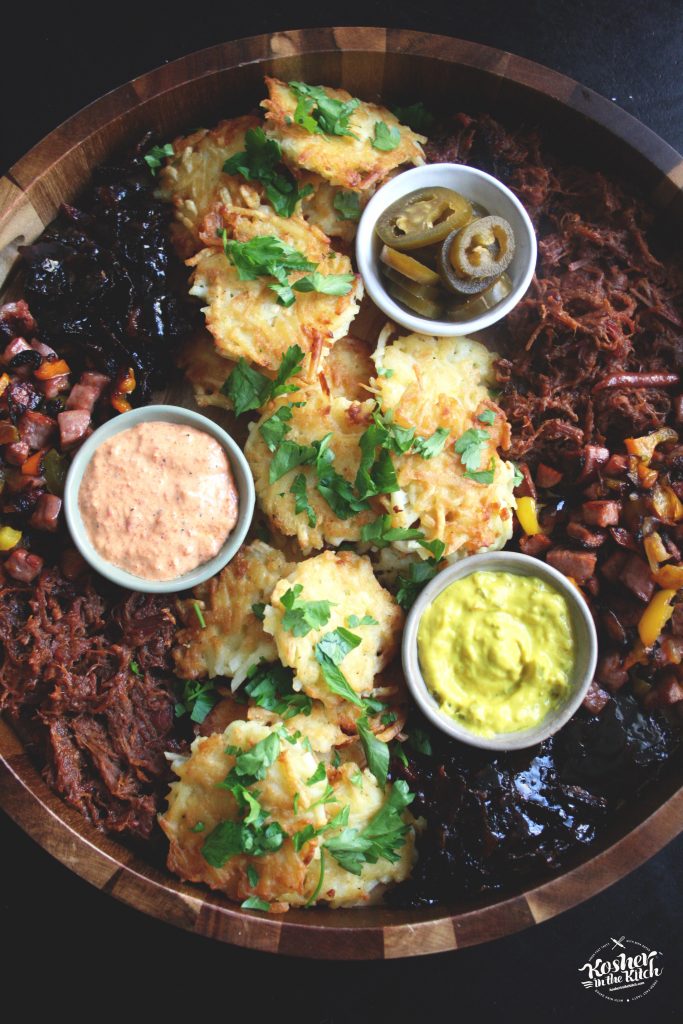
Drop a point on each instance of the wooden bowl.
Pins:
(400, 66)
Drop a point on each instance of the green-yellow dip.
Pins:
(497, 651)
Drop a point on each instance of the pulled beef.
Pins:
(593, 353)
(494, 820)
(86, 681)
(103, 281)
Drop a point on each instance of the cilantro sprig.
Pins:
(471, 447)
(381, 839)
(270, 687)
(196, 698)
(416, 116)
(386, 137)
(261, 161)
(300, 616)
(347, 205)
(249, 389)
(155, 157)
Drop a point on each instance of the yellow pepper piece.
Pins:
(670, 576)
(526, 513)
(655, 551)
(655, 617)
(9, 538)
(644, 447)
(4, 383)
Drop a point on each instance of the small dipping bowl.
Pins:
(585, 650)
(478, 187)
(166, 414)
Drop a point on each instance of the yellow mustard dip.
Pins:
(497, 651)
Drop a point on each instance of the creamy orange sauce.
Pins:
(158, 499)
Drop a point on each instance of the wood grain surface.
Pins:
(222, 81)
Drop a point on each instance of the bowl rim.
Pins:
(367, 260)
(521, 565)
(159, 413)
(68, 153)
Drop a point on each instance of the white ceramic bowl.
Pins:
(167, 414)
(479, 188)
(585, 648)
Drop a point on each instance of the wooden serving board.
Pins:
(400, 67)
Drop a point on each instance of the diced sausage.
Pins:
(82, 396)
(44, 350)
(54, 386)
(23, 566)
(16, 453)
(527, 487)
(92, 379)
(588, 538)
(601, 513)
(614, 627)
(36, 429)
(611, 672)
(580, 565)
(73, 426)
(617, 465)
(636, 575)
(677, 620)
(594, 457)
(15, 319)
(546, 476)
(611, 568)
(623, 538)
(46, 513)
(595, 699)
(14, 348)
(672, 548)
(666, 692)
(536, 545)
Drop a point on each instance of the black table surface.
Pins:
(68, 946)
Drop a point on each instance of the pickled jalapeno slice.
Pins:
(408, 267)
(480, 304)
(483, 248)
(417, 303)
(426, 291)
(423, 217)
(457, 285)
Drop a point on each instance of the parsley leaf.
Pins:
(251, 765)
(199, 827)
(154, 158)
(230, 838)
(270, 687)
(318, 775)
(135, 668)
(301, 617)
(332, 486)
(262, 161)
(325, 284)
(319, 113)
(273, 429)
(470, 447)
(367, 620)
(301, 502)
(416, 116)
(196, 699)
(518, 478)
(386, 137)
(376, 752)
(428, 447)
(379, 533)
(419, 740)
(483, 476)
(487, 416)
(259, 610)
(288, 456)
(419, 573)
(252, 875)
(337, 643)
(381, 838)
(347, 205)
(246, 388)
(330, 650)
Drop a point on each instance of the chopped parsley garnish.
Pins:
(230, 838)
(376, 752)
(255, 903)
(330, 651)
(386, 137)
(487, 416)
(295, 802)
(259, 610)
(388, 718)
(367, 620)
(135, 668)
(319, 113)
(273, 429)
(428, 447)
(419, 573)
(379, 533)
(318, 775)
(200, 615)
(376, 473)
(262, 161)
(196, 699)
(419, 740)
(381, 839)
(270, 687)
(381, 372)
(471, 446)
(336, 759)
(398, 752)
(518, 478)
(248, 389)
(251, 765)
(328, 797)
(154, 158)
(267, 256)
(483, 476)
(325, 284)
(308, 832)
(316, 892)
(199, 827)
(301, 502)
(416, 116)
(347, 205)
(252, 875)
(288, 456)
(300, 616)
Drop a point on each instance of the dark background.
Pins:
(70, 948)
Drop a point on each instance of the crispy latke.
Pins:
(347, 580)
(320, 415)
(348, 162)
(233, 639)
(245, 317)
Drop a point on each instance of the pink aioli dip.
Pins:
(158, 499)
